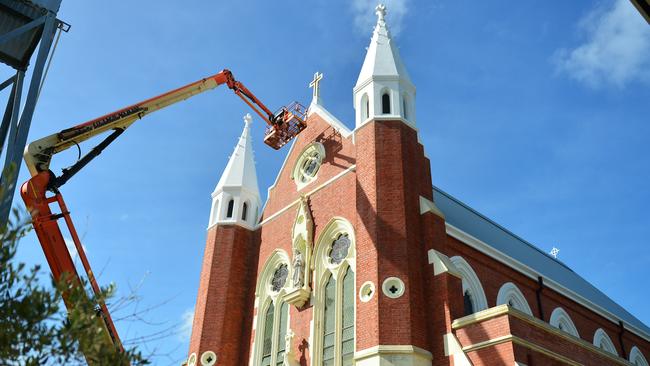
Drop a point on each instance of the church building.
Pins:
(356, 258)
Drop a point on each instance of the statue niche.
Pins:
(301, 237)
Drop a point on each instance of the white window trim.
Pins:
(637, 358)
(510, 291)
(471, 282)
(264, 295)
(323, 268)
(559, 317)
(297, 173)
(601, 337)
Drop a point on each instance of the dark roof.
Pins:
(480, 227)
(643, 6)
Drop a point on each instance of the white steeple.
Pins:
(384, 89)
(236, 198)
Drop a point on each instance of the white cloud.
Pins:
(186, 325)
(617, 49)
(365, 17)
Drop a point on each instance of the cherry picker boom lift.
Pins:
(283, 126)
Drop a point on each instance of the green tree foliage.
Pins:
(36, 329)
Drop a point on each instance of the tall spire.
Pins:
(383, 73)
(382, 58)
(238, 184)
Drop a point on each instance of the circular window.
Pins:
(308, 164)
(192, 360)
(393, 287)
(279, 278)
(208, 358)
(367, 291)
(340, 249)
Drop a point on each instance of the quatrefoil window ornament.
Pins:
(279, 278)
(340, 248)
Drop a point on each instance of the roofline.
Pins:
(643, 6)
(526, 270)
(532, 246)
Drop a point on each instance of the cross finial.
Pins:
(315, 85)
(248, 119)
(380, 10)
(554, 252)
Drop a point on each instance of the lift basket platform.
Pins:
(289, 121)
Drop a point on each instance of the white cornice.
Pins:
(529, 272)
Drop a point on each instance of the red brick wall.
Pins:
(389, 183)
(336, 199)
(222, 315)
(493, 274)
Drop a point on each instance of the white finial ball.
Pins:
(248, 119)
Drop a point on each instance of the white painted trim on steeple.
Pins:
(383, 73)
(238, 184)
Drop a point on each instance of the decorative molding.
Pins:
(453, 349)
(561, 320)
(427, 205)
(302, 245)
(490, 251)
(602, 341)
(395, 283)
(442, 264)
(471, 282)
(501, 310)
(509, 294)
(381, 350)
(313, 151)
(637, 358)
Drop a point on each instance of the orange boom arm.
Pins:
(283, 126)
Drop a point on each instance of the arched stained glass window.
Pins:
(347, 333)
(231, 207)
(267, 347)
(284, 313)
(329, 321)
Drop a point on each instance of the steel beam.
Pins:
(18, 133)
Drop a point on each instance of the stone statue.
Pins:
(298, 269)
(288, 349)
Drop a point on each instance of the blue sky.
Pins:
(531, 112)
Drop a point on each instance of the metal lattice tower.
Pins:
(25, 25)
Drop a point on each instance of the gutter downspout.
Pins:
(620, 338)
(538, 294)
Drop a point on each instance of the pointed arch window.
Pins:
(244, 211)
(334, 310)
(329, 320)
(473, 295)
(365, 107)
(272, 321)
(231, 207)
(510, 294)
(385, 103)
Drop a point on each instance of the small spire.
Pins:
(248, 120)
(240, 171)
